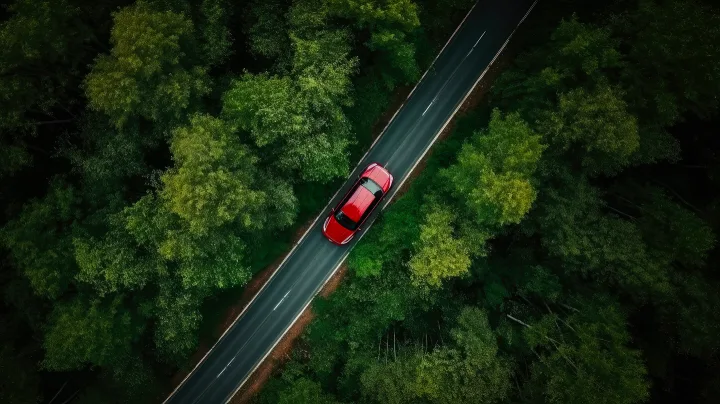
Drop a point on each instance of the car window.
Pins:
(345, 221)
(372, 186)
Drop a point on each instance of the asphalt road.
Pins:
(410, 134)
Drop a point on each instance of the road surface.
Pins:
(459, 66)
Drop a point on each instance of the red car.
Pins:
(346, 218)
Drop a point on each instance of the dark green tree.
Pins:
(147, 74)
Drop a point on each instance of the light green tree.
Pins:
(494, 170)
(213, 181)
(438, 255)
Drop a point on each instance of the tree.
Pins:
(585, 358)
(299, 118)
(577, 55)
(177, 314)
(204, 261)
(470, 371)
(304, 391)
(37, 35)
(268, 31)
(352, 319)
(106, 160)
(493, 173)
(599, 246)
(474, 372)
(692, 320)
(215, 39)
(391, 24)
(90, 332)
(213, 180)
(438, 255)
(147, 74)
(672, 229)
(599, 124)
(394, 382)
(680, 70)
(39, 242)
(14, 159)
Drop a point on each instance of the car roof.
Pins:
(358, 203)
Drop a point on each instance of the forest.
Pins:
(558, 247)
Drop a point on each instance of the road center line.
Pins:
(478, 41)
(281, 300)
(428, 107)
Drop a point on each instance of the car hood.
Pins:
(335, 231)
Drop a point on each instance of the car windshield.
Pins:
(345, 221)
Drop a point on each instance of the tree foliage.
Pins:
(147, 74)
(586, 357)
(299, 117)
(96, 332)
(493, 172)
(439, 255)
(213, 179)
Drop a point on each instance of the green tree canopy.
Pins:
(596, 126)
(586, 358)
(494, 171)
(438, 254)
(97, 332)
(299, 118)
(304, 391)
(38, 241)
(473, 372)
(213, 181)
(147, 73)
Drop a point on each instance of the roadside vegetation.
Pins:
(559, 247)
